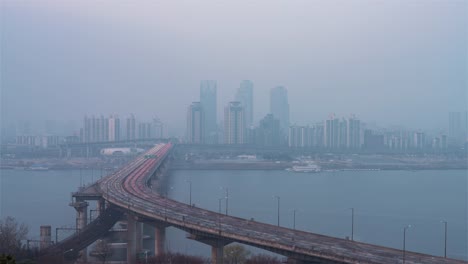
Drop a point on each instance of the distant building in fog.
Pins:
(244, 95)
(458, 128)
(234, 123)
(144, 130)
(268, 132)
(195, 123)
(306, 136)
(332, 132)
(131, 127)
(279, 107)
(208, 102)
(114, 128)
(373, 141)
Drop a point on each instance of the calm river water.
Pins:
(383, 201)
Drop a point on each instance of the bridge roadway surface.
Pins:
(128, 189)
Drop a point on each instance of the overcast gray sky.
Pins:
(394, 62)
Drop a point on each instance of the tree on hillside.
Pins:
(11, 234)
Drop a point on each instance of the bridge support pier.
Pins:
(81, 208)
(159, 239)
(131, 239)
(100, 206)
(139, 237)
(217, 246)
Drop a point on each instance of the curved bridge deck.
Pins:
(128, 190)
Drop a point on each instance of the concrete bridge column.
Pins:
(217, 254)
(159, 239)
(69, 153)
(81, 208)
(139, 237)
(131, 239)
(217, 246)
(100, 206)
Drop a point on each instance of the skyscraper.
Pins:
(234, 123)
(244, 95)
(279, 107)
(208, 102)
(195, 123)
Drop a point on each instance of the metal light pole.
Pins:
(445, 243)
(227, 199)
(352, 224)
(294, 219)
(219, 205)
(190, 192)
(404, 242)
(278, 199)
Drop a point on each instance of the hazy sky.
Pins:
(394, 62)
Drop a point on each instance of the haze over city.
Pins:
(400, 63)
(222, 132)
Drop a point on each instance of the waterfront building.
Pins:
(131, 127)
(234, 123)
(279, 107)
(144, 130)
(373, 141)
(268, 132)
(114, 128)
(458, 128)
(244, 95)
(353, 135)
(195, 123)
(332, 132)
(208, 102)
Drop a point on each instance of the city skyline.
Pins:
(329, 63)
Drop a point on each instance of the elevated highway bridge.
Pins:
(127, 192)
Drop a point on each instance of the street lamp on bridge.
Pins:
(404, 242)
(227, 197)
(294, 218)
(278, 200)
(445, 242)
(352, 224)
(190, 192)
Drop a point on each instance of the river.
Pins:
(383, 201)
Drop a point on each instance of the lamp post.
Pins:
(219, 205)
(404, 242)
(352, 224)
(294, 219)
(227, 198)
(445, 242)
(190, 192)
(278, 200)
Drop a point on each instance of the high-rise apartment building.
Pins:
(353, 136)
(458, 127)
(208, 102)
(195, 123)
(131, 127)
(234, 123)
(114, 128)
(244, 95)
(268, 132)
(332, 132)
(144, 130)
(279, 107)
